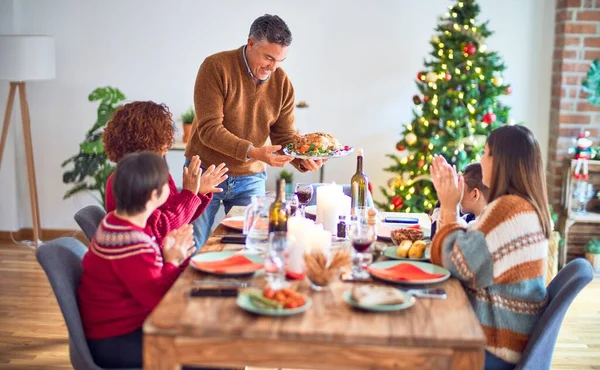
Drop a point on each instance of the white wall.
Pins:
(353, 61)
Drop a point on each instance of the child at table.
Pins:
(147, 126)
(125, 273)
(473, 201)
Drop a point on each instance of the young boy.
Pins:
(125, 272)
(474, 197)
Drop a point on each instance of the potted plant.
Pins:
(592, 254)
(187, 118)
(289, 181)
(91, 168)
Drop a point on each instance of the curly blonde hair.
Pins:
(136, 127)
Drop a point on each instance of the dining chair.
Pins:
(569, 281)
(61, 260)
(88, 218)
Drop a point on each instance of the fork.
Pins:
(235, 282)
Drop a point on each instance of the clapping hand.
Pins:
(212, 177)
(448, 184)
(178, 245)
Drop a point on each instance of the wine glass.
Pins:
(361, 236)
(304, 192)
(292, 202)
(582, 194)
(275, 260)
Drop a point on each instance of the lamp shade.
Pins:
(27, 57)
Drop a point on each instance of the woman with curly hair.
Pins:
(147, 126)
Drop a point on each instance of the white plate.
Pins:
(235, 222)
(339, 153)
(409, 301)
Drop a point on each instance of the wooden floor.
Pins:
(33, 334)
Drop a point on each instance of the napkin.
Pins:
(230, 265)
(404, 272)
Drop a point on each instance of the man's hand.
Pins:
(312, 164)
(268, 154)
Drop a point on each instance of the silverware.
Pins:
(435, 293)
(223, 282)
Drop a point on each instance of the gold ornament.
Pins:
(431, 77)
(497, 81)
(410, 138)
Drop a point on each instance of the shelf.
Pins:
(178, 145)
(586, 217)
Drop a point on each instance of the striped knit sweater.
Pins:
(124, 277)
(501, 262)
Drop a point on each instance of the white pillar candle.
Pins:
(328, 206)
(299, 239)
(320, 239)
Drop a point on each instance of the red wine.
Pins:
(361, 245)
(304, 196)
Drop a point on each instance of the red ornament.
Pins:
(448, 77)
(489, 118)
(421, 163)
(426, 98)
(422, 76)
(508, 90)
(469, 48)
(397, 201)
(400, 147)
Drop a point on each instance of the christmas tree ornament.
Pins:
(416, 100)
(397, 202)
(497, 81)
(489, 118)
(421, 163)
(421, 76)
(508, 90)
(410, 138)
(426, 98)
(448, 77)
(469, 48)
(431, 77)
(400, 147)
(583, 153)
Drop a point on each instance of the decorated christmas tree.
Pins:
(456, 108)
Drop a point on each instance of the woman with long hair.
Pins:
(501, 259)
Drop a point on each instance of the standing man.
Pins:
(242, 98)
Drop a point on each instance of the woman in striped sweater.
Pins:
(501, 259)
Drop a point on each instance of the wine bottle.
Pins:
(359, 183)
(278, 212)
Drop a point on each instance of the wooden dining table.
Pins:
(215, 332)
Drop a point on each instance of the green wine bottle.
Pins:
(359, 183)
(278, 212)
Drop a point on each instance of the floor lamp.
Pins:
(25, 58)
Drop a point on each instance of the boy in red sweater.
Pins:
(148, 126)
(126, 273)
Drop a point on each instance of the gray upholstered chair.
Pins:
(61, 260)
(570, 280)
(88, 218)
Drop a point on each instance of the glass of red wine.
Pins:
(304, 192)
(361, 236)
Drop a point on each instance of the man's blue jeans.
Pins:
(237, 191)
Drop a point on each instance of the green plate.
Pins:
(427, 267)
(390, 252)
(243, 300)
(409, 301)
(216, 256)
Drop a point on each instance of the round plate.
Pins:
(427, 267)
(409, 301)
(384, 230)
(217, 256)
(235, 222)
(391, 253)
(243, 300)
(339, 153)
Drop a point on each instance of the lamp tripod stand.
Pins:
(33, 195)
